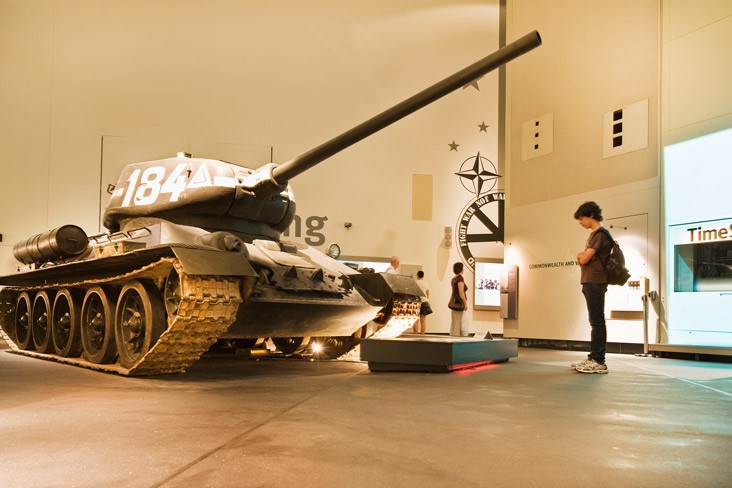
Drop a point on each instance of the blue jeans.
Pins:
(595, 297)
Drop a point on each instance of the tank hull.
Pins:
(256, 293)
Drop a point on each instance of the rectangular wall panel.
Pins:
(422, 197)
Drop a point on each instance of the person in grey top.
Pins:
(594, 285)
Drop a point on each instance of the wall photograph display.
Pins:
(487, 284)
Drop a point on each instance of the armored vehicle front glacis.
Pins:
(193, 255)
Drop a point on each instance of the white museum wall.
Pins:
(286, 76)
(596, 58)
(544, 240)
(697, 74)
(25, 114)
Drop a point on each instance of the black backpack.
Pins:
(615, 270)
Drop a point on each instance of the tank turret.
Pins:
(200, 193)
(194, 256)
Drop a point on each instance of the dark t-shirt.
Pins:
(454, 282)
(594, 270)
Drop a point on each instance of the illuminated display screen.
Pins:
(704, 266)
(487, 285)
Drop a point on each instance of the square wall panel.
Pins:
(537, 137)
(625, 129)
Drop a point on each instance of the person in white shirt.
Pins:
(392, 269)
(424, 309)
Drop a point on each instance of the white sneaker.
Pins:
(592, 367)
(581, 363)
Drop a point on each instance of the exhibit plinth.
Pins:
(433, 353)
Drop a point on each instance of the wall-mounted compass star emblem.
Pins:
(478, 174)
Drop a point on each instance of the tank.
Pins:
(194, 255)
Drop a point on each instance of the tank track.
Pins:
(208, 306)
(404, 311)
(406, 307)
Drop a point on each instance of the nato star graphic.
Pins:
(474, 83)
(478, 176)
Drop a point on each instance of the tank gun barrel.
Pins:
(278, 175)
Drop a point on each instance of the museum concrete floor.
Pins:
(231, 422)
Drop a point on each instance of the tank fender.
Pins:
(212, 262)
(383, 286)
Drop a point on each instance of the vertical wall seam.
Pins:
(50, 114)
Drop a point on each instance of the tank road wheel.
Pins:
(335, 347)
(290, 345)
(65, 328)
(139, 322)
(41, 323)
(22, 324)
(172, 293)
(97, 326)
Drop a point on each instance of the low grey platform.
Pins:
(435, 353)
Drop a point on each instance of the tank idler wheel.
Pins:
(337, 346)
(291, 345)
(97, 325)
(139, 321)
(41, 322)
(65, 324)
(172, 293)
(23, 332)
